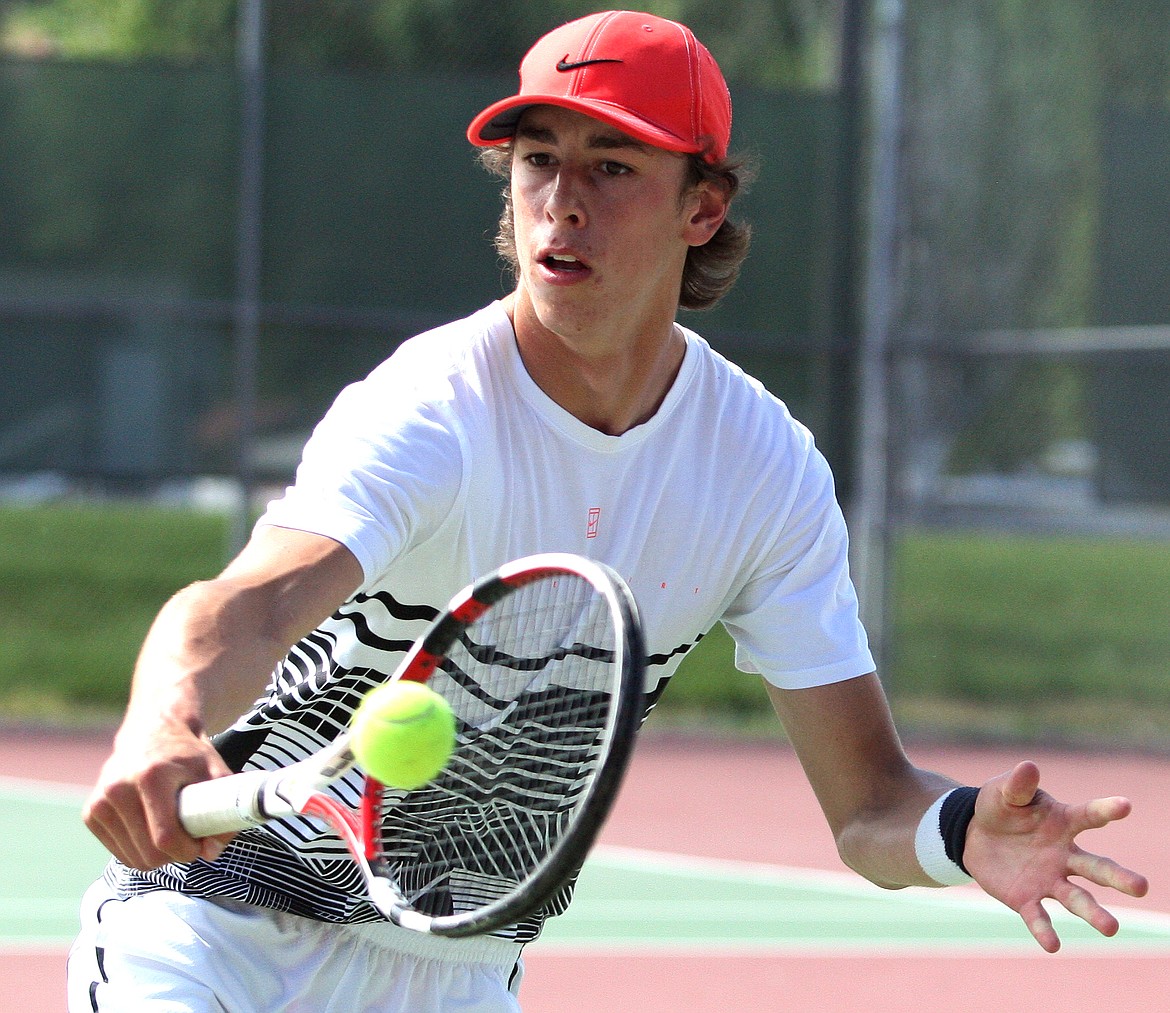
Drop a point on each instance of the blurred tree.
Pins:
(1000, 184)
(1133, 50)
(1005, 101)
(179, 29)
(780, 42)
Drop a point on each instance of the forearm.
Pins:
(1016, 840)
(872, 796)
(204, 661)
(213, 646)
(880, 844)
(207, 657)
(193, 670)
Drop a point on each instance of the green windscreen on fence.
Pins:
(118, 197)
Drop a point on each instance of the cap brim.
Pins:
(497, 123)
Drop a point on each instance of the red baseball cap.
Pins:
(647, 76)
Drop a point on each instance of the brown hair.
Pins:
(711, 269)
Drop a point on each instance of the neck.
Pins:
(610, 384)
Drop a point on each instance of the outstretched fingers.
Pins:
(1102, 811)
(1097, 868)
(1022, 849)
(1040, 925)
(1078, 901)
(1022, 782)
(1108, 873)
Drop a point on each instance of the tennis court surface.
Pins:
(715, 888)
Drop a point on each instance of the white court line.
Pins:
(953, 902)
(1024, 948)
(31, 946)
(39, 792)
(842, 884)
(31, 908)
(845, 884)
(21, 789)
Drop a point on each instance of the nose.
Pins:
(566, 201)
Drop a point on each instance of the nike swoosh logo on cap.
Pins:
(564, 66)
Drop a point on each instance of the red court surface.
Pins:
(750, 801)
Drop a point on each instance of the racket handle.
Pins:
(224, 805)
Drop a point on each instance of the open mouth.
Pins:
(563, 263)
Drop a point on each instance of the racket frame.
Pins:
(252, 798)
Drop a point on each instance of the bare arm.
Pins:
(1021, 843)
(872, 795)
(205, 660)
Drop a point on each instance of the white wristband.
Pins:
(931, 851)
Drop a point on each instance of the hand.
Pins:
(133, 809)
(1021, 848)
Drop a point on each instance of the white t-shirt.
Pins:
(447, 461)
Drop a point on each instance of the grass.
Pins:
(79, 587)
(996, 637)
(1031, 637)
(985, 619)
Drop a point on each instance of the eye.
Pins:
(538, 159)
(615, 169)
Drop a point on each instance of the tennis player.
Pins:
(576, 415)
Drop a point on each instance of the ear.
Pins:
(707, 208)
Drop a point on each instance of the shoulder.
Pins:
(737, 407)
(416, 409)
(435, 361)
(437, 376)
(388, 464)
(753, 451)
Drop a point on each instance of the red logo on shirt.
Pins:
(594, 520)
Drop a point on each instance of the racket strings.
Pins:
(531, 682)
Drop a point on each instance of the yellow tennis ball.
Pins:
(403, 734)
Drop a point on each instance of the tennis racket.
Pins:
(543, 663)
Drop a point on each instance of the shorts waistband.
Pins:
(386, 935)
(471, 949)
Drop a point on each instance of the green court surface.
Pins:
(631, 900)
(626, 900)
(47, 859)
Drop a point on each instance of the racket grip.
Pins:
(225, 804)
